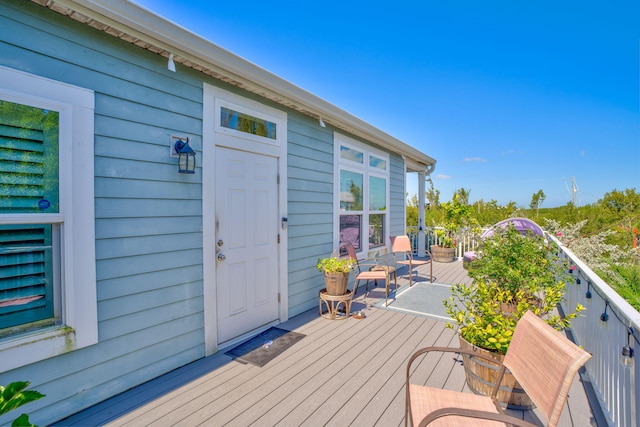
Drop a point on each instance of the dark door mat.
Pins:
(264, 347)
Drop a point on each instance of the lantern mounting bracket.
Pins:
(175, 139)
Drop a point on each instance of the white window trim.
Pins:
(78, 305)
(367, 171)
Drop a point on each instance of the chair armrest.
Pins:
(471, 413)
(373, 262)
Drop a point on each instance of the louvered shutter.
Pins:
(28, 185)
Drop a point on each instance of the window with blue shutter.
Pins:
(29, 184)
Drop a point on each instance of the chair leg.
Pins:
(410, 275)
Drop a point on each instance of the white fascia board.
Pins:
(135, 21)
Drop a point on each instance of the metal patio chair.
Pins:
(401, 245)
(370, 269)
(540, 358)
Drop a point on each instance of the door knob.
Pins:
(221, 257)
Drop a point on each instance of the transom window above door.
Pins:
(362, 191)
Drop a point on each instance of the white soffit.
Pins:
(144, 28)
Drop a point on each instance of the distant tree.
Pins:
(536, 201)
(412, 211)
(432, 195)
(621, 203)
(488, 213)
(462, 196)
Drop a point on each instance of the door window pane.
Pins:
(246, 123)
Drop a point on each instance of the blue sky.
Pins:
(509, 97)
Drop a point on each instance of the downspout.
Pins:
(422, 178)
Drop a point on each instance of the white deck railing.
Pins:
(465, 241)
(615, 384)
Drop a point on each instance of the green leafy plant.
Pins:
(513, 274)
(15, 395)
(456, 216)
(334, 265)
(484, 319)
(514, 262)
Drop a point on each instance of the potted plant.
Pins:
(336, 274)
(456, 216)
(514, 273)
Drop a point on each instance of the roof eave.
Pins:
(149, 30)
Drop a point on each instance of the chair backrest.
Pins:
(351, 252)
(544, 362)
(401, 244)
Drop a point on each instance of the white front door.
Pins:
(246, 236)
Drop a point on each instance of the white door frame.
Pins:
(213, 99)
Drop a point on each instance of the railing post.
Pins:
(422, 176)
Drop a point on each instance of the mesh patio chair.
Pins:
(401, 247)
(370, 269)
(541, 359)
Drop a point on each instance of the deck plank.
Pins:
(344, 372)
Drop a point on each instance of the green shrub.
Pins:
(15, 395)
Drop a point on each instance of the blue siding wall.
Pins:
(310, 176)
(397, 190)
(148, 217)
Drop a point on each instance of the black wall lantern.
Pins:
(186, 156)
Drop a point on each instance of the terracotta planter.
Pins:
(336, 283)
(481, 376)
(442, 254)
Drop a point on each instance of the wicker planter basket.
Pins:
(442, 254)
(481, 376)
(336, 283)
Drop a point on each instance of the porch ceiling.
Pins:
(150, 31)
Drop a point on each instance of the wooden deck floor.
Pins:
(343, 373)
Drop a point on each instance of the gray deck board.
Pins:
(343, 373)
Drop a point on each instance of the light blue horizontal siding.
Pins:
(310, 196)
(148, 217)
(397, 190)
(123, 227)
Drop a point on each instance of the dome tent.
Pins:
(521, 224)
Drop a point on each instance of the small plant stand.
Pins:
(333, 306)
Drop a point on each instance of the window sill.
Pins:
(36, 346)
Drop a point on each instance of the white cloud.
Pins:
(474, 159)
(443, 177)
